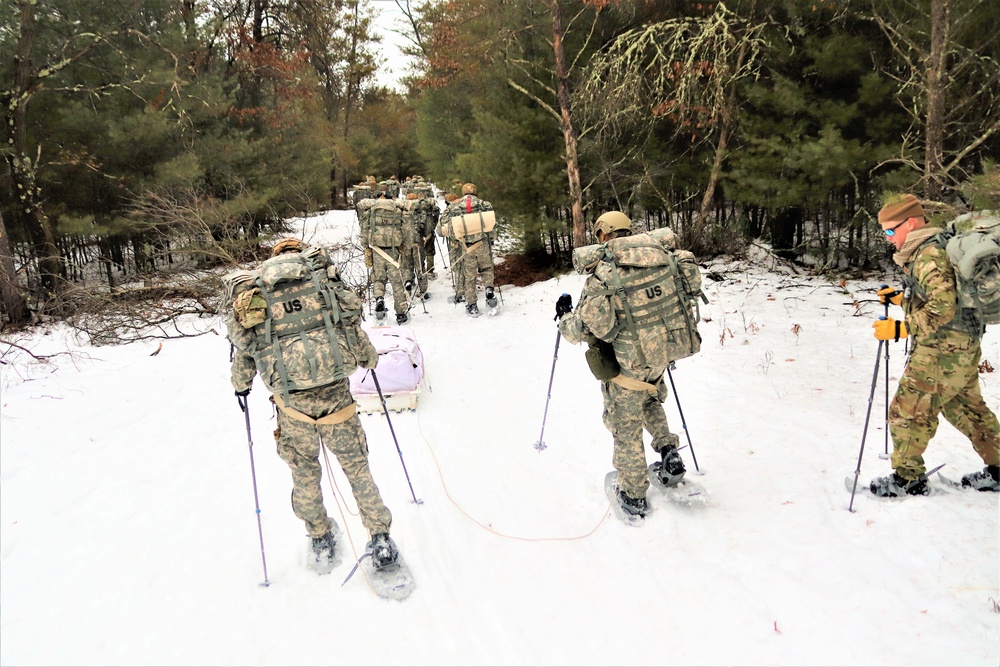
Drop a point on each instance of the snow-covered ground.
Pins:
(128, 534)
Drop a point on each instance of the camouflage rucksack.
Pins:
(650, 310)
(297, 319)
(973, 245)
(385, 224)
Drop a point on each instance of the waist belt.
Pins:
(338, 417)
(633, 384)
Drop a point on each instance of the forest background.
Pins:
(148, 142)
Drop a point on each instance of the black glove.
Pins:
(563, 305)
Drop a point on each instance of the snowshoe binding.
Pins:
(670, 470)
(894, 486)
(491, 301)
(402, 318)
(987, 479)
(383, 550)
(630, 511)
(322, 555)
(380, 311)
(385, 569)
(473, 310)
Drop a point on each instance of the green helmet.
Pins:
(611, 222)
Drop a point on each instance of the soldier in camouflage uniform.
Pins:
(633, 398)
(942, 376)
(412, 257)
(455, 248)
(326, 414)
(427, 215)
(477, 254)
(383, 255)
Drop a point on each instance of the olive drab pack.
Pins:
(385, 224)
(973, 245)
(649, 312)
(297, 319)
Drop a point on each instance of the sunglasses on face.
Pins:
(892, 232)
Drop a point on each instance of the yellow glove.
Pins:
(889, 295)
(369, 259)
(889, 329)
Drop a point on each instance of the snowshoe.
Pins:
(987, 479)
(630, 511)
(472, 309)
(670, 469)
(380, 311)
(322, 555)
(402, 318)
(491, 299)
(894, 486)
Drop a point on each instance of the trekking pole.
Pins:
(683, 421)
(420, 274)
(253, 475)
(540, 445)
(443, 252)
(385, 409)
(868, 414)
(885, 454)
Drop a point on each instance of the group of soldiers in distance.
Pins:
(398, 223)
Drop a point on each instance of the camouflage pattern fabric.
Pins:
(473, 204)
(626, 411)
(476, 259)
(477, 252)
(942, 376)
(298, 445)
(456, 250)
(411, 254)
(383, 271)
(626, 414)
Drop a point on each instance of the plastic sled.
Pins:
(400, 372)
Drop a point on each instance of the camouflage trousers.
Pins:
(411, 265)
(626, 413)
(429, 251)
(383, 271)
(941, 379)
(478, 259)
(455, 253)
(298, 446)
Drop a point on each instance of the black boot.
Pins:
(321, 559)
(894, 486)
(633, 506)
(987, 479)
(380, 310)
(383, 550)
(472, 309)
(671, 469)
(401, 318)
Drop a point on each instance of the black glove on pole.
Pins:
(564, 305)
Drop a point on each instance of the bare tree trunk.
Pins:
(23, 169)
(11, 298)
(934, 138)
(697, 230)
(568, 129)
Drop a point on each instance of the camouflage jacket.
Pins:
(930, 293)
